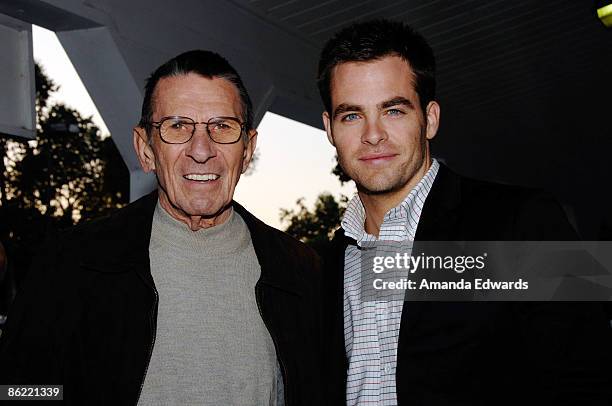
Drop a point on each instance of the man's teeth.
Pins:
(208, 176)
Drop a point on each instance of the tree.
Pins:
(71, 173)
(315, 227)
(63, 173)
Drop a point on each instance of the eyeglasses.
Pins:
(179, 130)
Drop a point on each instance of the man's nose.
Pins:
(201, 148)
(373, 132)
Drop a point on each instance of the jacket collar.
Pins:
(123, 239)
(439, 214)
(274, 259)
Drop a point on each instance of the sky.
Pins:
(295, 160)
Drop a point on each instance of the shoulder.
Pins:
(300, 253)
(483, 192)
(271, 241)
(452, 189)
(532, 213)
(120, 223)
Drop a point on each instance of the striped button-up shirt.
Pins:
(371, 328)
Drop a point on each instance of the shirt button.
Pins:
(387, 368)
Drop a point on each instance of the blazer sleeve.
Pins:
(540, 217)
(569, 344)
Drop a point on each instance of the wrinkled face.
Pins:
(377, 125)
(197, 178)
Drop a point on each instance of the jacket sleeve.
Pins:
(568, 352)
(30, 345)
(569, 344)
(335, 362)
(540, 217)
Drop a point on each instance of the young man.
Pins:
(377, 82)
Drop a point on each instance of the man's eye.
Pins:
(178, 126)
(350, 117)
(394, 112)
(220, 126)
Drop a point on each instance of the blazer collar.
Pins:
(436, 223)
(439, 214)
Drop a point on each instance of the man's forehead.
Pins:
(193, 82)
(388, 63)
(195, 91)
(366, 81)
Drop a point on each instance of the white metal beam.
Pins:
(17, 104)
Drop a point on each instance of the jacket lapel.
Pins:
(439, 217)
(438, 222)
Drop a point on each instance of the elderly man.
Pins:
(182, 297)
(377, 82)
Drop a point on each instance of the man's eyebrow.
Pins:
(396, 101)
(343, 108)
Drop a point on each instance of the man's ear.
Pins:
(249, 149)
(327, 125)
(143, 148)
(432, 115)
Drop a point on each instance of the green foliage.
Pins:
(69, 174)
(315, 227)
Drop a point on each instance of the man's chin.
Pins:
(189, 209)
(206, 211)
(374, 191)
(376, 186)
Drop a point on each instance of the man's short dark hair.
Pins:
(205, 63)
(373, 40)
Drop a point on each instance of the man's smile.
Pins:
(201, 177)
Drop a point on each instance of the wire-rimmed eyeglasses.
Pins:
(179, 130)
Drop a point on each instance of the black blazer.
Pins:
(86, 315)
(477, 353)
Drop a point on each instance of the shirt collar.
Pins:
(403, 218)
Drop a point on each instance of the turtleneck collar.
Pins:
(223, 239)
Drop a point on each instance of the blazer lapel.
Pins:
(438, 222)
(439, 217)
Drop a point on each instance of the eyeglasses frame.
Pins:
(158, 124)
